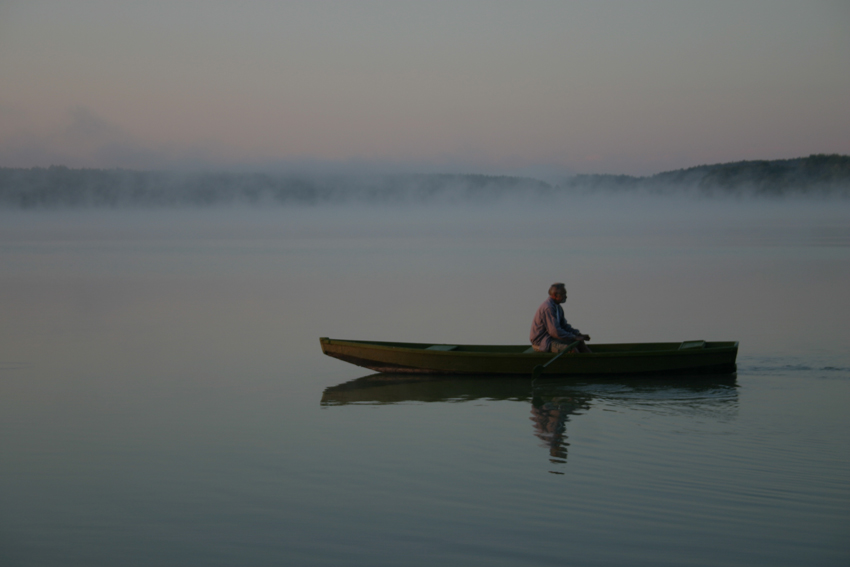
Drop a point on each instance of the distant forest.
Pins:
(815, 175)
(63, 187)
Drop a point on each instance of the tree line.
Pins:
(818, 174)
(63, 187)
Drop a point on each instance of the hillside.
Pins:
(816, 174)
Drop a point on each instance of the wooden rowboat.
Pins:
(689, 357)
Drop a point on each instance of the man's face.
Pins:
(560, 296)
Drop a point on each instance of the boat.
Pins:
(688, 357)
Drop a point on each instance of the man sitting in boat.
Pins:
(550, 331)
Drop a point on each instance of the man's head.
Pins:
(558, 292)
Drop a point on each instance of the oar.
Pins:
(538, 370)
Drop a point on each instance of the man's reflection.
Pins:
(550, 416)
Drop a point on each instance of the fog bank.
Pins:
(62, 187)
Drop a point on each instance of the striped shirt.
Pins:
(549, 323)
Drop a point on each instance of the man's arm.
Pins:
(557, 326)
(571, 333)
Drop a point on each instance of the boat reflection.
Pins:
(553, 400)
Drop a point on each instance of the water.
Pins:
(165, 401)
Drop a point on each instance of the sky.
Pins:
(538, 87)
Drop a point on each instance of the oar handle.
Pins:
(539, 368)
(566, 350)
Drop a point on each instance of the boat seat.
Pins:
(529, 350)
(692, 344)
(441, 347)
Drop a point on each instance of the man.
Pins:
(550, 331)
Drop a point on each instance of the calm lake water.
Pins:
(164, 399)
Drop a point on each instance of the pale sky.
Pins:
(630, 86)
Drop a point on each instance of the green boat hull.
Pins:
(690, 357)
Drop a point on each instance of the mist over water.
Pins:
(474, 272)
(57, 187)
(165, 399)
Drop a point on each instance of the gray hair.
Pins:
(555, 287)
